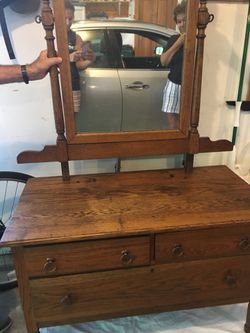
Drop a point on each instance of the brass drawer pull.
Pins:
(230, 279)
(244, 244)
(178, 250)
(66, 300)
(50, 265)
(126, 257)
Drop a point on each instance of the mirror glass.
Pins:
(119, 80)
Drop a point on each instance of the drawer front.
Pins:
(87, 256)
(199, 244)
(92, 296)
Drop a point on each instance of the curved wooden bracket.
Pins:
(206, 145)
(48, 154)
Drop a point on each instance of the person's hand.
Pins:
(75, 56)
(39, 68)
(180, 41)
(90, 55)
(78, 55)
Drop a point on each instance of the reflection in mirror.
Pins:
(80, 54)
(172, 57)
(122, 86)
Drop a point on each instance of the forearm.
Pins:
(167, 56)
(35, 71)
(13, 73)
(10, 74)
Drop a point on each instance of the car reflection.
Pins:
(122, 90)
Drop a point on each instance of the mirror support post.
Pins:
(61, 143)
(203, 19)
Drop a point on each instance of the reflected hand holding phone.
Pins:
(86, 47)
(75, 56)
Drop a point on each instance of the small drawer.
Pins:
(68, 258)
(199, 244)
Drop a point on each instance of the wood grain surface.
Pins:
(117, 205)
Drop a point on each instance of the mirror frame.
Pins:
(186, 97)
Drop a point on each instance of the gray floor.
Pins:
(10, 298)
(18, 325)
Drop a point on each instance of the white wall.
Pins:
(222, 64)
(26, 116)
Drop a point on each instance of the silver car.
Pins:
(122, 90)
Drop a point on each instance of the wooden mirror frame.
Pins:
(83, 146)
(127, 136)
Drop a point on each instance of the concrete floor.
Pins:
(9, 300)
(16, 313)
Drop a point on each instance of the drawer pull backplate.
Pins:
(244, 244)
(126, 257)
(50, 265)
(178, 250)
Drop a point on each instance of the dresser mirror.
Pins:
(106, 131)
(121, 91)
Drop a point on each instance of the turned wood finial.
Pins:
(203, 19)
(48, 24)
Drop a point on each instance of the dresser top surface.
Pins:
(115, 205)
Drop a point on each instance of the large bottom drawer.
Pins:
(92, 296)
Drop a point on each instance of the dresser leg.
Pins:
(247, 324)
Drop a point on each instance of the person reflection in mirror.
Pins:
(80, 55)
(172, 57)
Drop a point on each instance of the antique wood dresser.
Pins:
(103, 246)
(90, 247)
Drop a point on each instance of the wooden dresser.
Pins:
(110, 245)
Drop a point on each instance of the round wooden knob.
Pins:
(126, 257)
(244, 244)
(50, 265)
(66, 300)
(230, 279)
(178, 250)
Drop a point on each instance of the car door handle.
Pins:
(137, 86)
